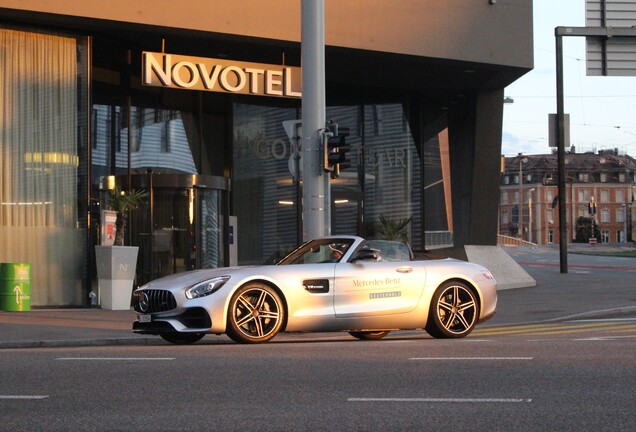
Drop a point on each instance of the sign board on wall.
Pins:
(227, 76)
(613, 54)
(108, 229)
(552, 132)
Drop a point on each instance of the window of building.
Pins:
(159, 141)
(603, 178)
(391, 171)
(584, 195)
(620, 214)
(516, 197)
(605, 236)
(605, 196)
(504, 197)
(605, 215)
(621, 177)
(506, 180)
(584, 177)
(44, 154)
(620, 196)
(504, 217)
(549, 215)
(549, 195)
(550, 236)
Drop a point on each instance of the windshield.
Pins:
(318, 251)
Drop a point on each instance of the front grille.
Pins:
(153, 301)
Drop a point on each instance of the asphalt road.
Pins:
(542, 377)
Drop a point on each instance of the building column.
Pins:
(475, 148)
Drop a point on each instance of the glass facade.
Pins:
(180, 226)
(43, 161)
(184, 148)
(379, 196)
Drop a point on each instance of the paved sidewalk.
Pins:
(593, 287)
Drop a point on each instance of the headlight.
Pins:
(207, 287)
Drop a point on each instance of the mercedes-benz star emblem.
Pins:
(144, 302)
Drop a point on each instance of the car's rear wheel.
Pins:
(182, 338)
(368, 335)
(255, 315)
(454, 311)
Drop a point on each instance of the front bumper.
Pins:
(194, 319)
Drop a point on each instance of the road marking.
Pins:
(115, 358)
(23, 397)
(471, 358)
(551, 328)
(578, 266)
(446, 400)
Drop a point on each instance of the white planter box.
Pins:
(116, 267)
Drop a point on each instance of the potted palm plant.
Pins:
(391, 229)
(116, 264)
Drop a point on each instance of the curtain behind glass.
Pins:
(38, 166)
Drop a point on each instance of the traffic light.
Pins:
(335, 150)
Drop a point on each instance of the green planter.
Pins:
(15, 287)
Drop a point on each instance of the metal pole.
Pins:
(316, 193)
(624, 239)
(560, 141)
(520, 196)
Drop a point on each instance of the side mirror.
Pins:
(366, 255)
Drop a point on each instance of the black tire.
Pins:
(369, 335)
(454, 311)
(255, 315)
(182, 338)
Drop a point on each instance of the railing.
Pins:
(512, 241)
(438, 239)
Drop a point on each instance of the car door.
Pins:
(372, 288)
(308, 290)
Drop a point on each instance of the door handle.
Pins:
(404, 269)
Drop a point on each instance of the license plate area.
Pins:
(145, 318)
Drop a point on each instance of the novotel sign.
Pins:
(227, 76)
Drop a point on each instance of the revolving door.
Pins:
(182, 225)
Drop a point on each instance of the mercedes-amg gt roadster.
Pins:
(338, 283)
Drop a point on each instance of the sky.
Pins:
(602, 109)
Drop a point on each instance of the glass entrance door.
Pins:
(174, 235)
(181, 226)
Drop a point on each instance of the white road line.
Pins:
(472, 358)
(443, 400)
(23, 397)
(115, 358)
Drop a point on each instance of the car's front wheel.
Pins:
(454, 311)
(368, 335)
(255, 315)
(182, 338)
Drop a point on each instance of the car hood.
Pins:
(185, 279)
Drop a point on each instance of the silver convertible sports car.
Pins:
(338, 283)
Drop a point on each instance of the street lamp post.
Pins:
(624, 239)
(530, 215)
(521, 162)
